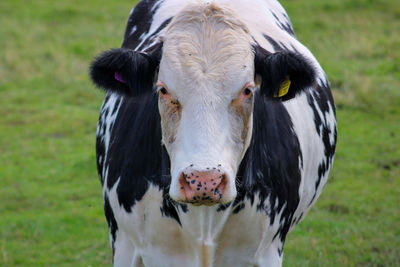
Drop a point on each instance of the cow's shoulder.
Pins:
(108, 114)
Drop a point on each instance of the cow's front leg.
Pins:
(124, 251)
(270, 256)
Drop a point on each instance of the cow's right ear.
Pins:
(125, 71)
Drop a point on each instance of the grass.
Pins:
(51, 205)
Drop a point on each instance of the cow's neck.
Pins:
(203, 225)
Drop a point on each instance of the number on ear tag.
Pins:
(284, 89)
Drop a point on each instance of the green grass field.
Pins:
(50, 198)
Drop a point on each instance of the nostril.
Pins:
(220, 189)
(184, 182)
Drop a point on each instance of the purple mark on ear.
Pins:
(118, 77)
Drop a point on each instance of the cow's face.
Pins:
(205, 85)
(206, 65)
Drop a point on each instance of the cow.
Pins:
(216, 135)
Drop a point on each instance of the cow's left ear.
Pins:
(125, 71)
(283, 74)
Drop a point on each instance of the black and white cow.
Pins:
(216, 135)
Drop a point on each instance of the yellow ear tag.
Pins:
(284, 89)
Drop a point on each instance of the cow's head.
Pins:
(204, 69)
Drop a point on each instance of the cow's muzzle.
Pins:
(203, 187)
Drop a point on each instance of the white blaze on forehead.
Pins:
(206, 52)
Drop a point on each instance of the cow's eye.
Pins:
(247, 92)
(163, 91)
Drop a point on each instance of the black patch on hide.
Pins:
(271, 164)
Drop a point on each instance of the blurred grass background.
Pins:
(50, 198)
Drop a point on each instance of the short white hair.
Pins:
(205, 40)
